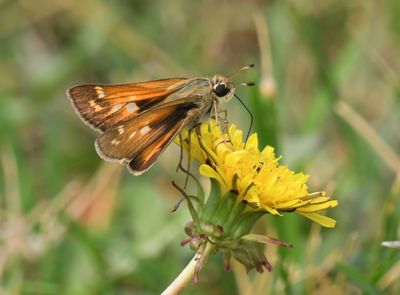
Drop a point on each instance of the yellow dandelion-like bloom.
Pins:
(255, 175)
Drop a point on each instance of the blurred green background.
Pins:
(327, 97)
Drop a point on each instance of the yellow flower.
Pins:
(255, 175)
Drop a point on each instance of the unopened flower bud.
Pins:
(218, 231)
(207, 228)
(190, 228)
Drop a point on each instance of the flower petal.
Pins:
(320, 219)
(318, 207)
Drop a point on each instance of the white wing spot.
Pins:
(115, 142)
(100, 91)
(144, 130)
(132, 107)
(132, 135)
(116, 108)
(95, 106)
(120, 129)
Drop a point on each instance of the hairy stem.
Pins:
(188, 273)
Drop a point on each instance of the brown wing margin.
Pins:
(140, 141)
(104, 106)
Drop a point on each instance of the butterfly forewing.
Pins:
(104, 106)
(139, 141)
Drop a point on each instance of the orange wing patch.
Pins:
(104, 106)
(149, 154)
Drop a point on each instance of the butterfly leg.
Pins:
(208, 158)
(216, 111)
(224, 126)
(185, 196)
(180, 166)
(189, 157)
(225, 122)
(224, 117)
(181, 153)
(216, 114)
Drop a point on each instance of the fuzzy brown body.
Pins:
(139, 120)
(206, 99)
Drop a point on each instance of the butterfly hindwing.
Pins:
(139, 141)
(104, 106)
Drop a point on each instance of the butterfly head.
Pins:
(222, 88)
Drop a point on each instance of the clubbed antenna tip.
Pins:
(248, 84)
(242, 69)
(247, 67)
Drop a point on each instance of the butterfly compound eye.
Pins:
(221, 90)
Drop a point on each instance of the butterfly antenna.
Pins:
(251, 117)
(247, 84)
(242, 69)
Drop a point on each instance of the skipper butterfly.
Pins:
(137, 121)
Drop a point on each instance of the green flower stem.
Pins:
(188, 273)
